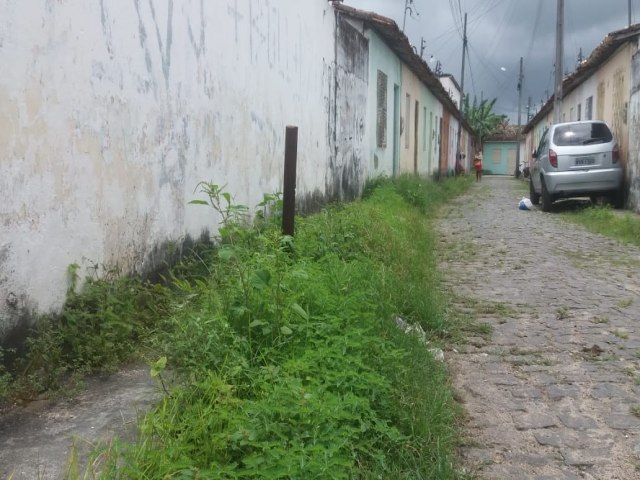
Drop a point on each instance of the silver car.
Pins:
(576, 159)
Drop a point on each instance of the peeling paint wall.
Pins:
(383, 159)
(348, 159)
(111, 112)
(614, 77)
(634, 135)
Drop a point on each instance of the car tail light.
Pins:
(553, 159)
(615, 154)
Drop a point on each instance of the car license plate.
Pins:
(585, 161)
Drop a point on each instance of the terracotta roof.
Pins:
(399, 43)
(598, 57)
(505, 133)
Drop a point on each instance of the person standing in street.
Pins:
(477, 164)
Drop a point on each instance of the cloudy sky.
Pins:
(499, 32)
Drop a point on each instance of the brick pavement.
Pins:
(550, 394)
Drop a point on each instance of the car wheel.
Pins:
(546, 198)
(534, 197)
(617, 199)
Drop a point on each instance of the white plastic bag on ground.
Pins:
(525, 204)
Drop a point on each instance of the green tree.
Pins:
(482, 118)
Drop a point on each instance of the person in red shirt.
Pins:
(477, 164)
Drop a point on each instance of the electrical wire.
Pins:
(536, 24)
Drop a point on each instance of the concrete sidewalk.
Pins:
(36, 440)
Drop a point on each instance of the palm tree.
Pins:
(482, 118)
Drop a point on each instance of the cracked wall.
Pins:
(112, 112)
(633, 163)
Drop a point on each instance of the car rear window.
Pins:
(582, 134)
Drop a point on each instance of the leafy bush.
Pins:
(290, 362)
(285, 360)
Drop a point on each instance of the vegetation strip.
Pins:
(284, 357)
(623, 226)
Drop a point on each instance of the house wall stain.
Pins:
(613, 94)
(347, 164)
(633, 163)
(111, 114)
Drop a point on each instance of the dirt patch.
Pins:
(36, 440)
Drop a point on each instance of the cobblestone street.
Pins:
(550, 382)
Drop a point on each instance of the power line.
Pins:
(536, 24)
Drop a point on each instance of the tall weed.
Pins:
(289, 361)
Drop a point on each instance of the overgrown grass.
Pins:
(105, 323)
(285, 357)
(622, 226)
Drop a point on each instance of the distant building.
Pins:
(413, 121)
(451, 86)
(500, 151)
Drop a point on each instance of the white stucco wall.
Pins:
(112, 111)
(589, 88)
(633, 172)
(451, 88)
(350, 142)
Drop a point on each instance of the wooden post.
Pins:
(289, 188)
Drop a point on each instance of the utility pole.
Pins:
(557, 103)
(529, 110)
(408, 7)
(520, 80)
(629, 12)
(423, 45)
(464, 51)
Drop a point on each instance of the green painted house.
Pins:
(500, 152)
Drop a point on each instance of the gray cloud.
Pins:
(499, 33)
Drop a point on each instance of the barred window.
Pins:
(381, 115)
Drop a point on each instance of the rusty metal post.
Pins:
(289, 188)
